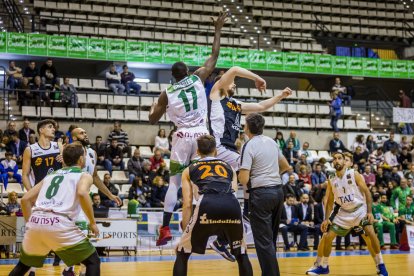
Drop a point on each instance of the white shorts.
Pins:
(344, 221)
(230, 157)
(184, 148)
(47, 232)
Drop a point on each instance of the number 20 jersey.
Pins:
(43, 161)
(187, 103)
(211, 176)
(59, 193)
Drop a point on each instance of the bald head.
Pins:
(79, 134)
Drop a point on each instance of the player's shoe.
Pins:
(68, 272)
(165, 236)
(382, 270)
(222, 250)
(31, 273)
(319, 270)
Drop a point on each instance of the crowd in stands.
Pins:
(388, 171)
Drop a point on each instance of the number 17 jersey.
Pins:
(187, 103)
(43, 161)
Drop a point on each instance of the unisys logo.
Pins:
(180, 134)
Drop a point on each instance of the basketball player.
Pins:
(224, 121)
(80, 135)
(186, 105)
(349, 190)
(217, 210)
(56, 202)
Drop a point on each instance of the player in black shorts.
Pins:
(217, 211)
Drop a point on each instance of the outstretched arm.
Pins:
(158, 108)
(102, 187)
(210, 63)
(266, 104)
(228, 78)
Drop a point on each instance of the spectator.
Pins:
(360, 158)
(306, 152)
(32, 139)
(163, 172)
(302, 162)
(141, 192)
(306, 213)
(159, 190)
(405, 101)
(49, 74)
(58, 134)
(96, 202)
(293, 188)
(359, 142)
(14, 75)
(111, 187)
(290, 223)
(280, 141)
(381, 179)
(4, 144)
(292, 138)
(404, 143)
(8, 169)
(390, 157)
(147, 175)
(335, 111)
(376, 158)
(319, 184)
(127, 80)
(395, 176)
(122, 137)
(369, 177)
(290, 154)
(113, 78)
(11, 129)
(161, 143)
(404, 159)
(13, 207)
(399, 194)
(156, 160)
(406, 212)
(410, 173)
(17, 147)
(371, 144)
(25, 131)
(341, 91)
(135, 165)
(319, 217)
(100, 149)
(305, 176)
(69, 94)
(390, 143)
(289, 172)
(388, 223)
(113, 157)
(318, 177)
(25, 93)
(336, 145)
(39, 93)
(69, 132)
(241, 140)
(31, 71)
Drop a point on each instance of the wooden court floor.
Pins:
(211, 264)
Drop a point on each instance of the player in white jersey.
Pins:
(56, 202)
(224, 121)
(347, 189)
(185, 102)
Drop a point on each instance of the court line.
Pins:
(280, 255)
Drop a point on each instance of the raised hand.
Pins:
(286, 92)
(221, 19)
(260, 84)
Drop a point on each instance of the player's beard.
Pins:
(230, 92)
(84, 142)
(339, 167)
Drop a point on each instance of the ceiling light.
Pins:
(236, 20)
(258, 32)
(385, 129)
(247, 17)
(358, 114)
(224, 6)
(255, 28)
(274, 50)
(377, 118)
(232, 16)
(242, 27)
(382, 123)
(254, 41)
(249, 21)
(367, 123)
(363, 118)
(265, 38)
(251, 37)
(268, 42)
(25, 8)
(237, 7)
(261, 49)
(245, 30)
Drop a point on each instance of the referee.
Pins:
(262, 162)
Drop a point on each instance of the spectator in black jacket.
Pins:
(25, 131)
(147, 175)
(58, 134)
(381, 179)
(290, 219)
(159, 190)
(360, 158)
(394, 176)
(30, 72)
(292, 188)
(390, 143)
(100, 149)
(105, 200)
(404, 158)
(163, 172)
(122, 138)
(291, 154)
(113, 157)
(306, 214)
(49, 74)
(135, 165)
(336, 145)
(318, 218)
(141, 192)
(17, 147)
(128, 80)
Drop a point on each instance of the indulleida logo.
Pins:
(205, 220)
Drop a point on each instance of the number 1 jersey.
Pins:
(187, 103)
(43, 161)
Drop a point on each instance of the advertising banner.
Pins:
(241, 58)
(370, 67)
(135, 51)
(116, 49)
(116, 233)
(292, 62)
(225, 58)
(324, 64)
(37, 44)
(340, 65)
(308, 63)
(57, 46)
(78, 47)
(171, 53)
(189, 54)
(400, 69)
(355, 67)
(385, 68)
(97, 49)
(257, 60)
(403, 115)
(153, 52)
(17, 43)
(3, 42)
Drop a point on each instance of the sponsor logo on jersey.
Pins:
(55, 147)
(205, 220)
(181, 134)
(234, 107)
(50, 171)
(38, 161)
(44, 220)
(346, 198)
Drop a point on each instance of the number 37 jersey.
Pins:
(59, 193)
(43, 161)
(211, 176)
(187, 103)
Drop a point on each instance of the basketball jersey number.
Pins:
(218, 170)
(54, 186)
(49, 161)
(183, 96)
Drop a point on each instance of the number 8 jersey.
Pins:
(187, 103)
(43, 161)
(58, 193)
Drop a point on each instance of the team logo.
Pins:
(180, 134)
(38, 161)
(205, 220)
(50, 171)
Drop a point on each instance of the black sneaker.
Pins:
(222, 250)
(56, 261)
(68, 272)
(32, 273)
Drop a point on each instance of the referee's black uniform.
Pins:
(261, 157)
